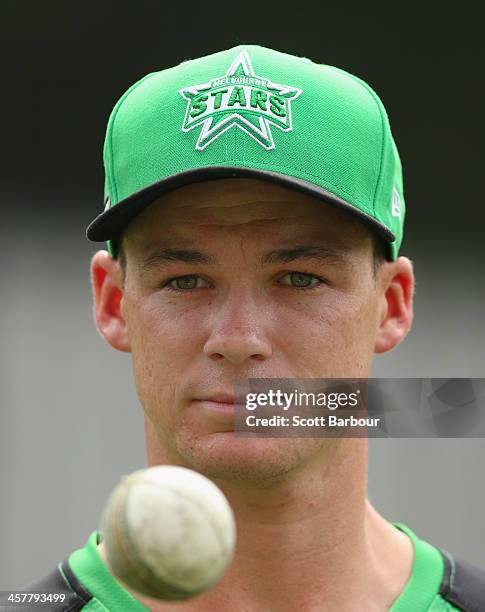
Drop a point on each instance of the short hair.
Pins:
(380, 251)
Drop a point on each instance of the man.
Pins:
(254, 214)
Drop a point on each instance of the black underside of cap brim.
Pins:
(110, 224)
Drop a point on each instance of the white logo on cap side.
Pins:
(395, 203)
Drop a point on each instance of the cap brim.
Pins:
(109, 224)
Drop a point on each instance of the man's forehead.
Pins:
(240, 204)
(237, 200)
(240, 214)
(235, 208)
(231, 192)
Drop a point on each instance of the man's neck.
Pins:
(309, 543)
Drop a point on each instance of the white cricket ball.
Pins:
(169, 532)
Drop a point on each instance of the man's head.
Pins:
(243, 278)
(258, 201)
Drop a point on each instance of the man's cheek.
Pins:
(150, 370)
(357, 341)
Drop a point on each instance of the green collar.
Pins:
(426, 576)
(91, 570)
(418, 594)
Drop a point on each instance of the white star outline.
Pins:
(236, 119)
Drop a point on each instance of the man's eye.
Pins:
(190, 281)
(297, 280)
(302, 280)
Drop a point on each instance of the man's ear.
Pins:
(396, 312)
(107, 285)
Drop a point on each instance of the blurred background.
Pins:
(70, 421)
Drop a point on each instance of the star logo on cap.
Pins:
(239, 99)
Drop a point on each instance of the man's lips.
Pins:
(220, 407)
(220, 398)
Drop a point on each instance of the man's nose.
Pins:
(238, 331)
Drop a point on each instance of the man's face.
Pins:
(241, 278)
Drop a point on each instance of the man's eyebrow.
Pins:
(320, 254)
(326, 255)
(165, 255)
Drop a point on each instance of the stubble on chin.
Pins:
(262, 460)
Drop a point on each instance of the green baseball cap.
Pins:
(254, 112)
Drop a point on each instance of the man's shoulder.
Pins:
(62, 581)
(463, 584)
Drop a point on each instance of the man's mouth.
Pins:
(217, 406)
(219, 398)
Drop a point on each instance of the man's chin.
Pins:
(226, 455)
